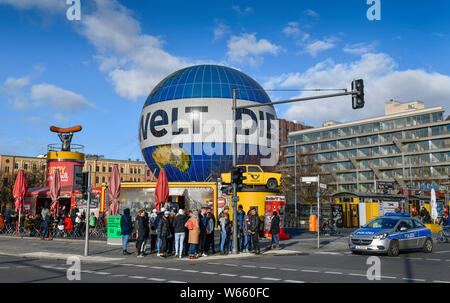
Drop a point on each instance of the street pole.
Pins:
(318, 211)
(295, 179)
(86, 241)
(235, 196)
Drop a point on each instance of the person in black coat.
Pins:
(126, 226)
(143, 233)
(179, 232)
(253, 230)
(164, 233)
(275, 229)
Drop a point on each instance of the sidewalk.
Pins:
(99, 251)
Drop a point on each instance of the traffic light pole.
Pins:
(234, 184)
(86, 240)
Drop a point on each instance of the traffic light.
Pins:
(237, 176)
(358, 98)
(82, 179)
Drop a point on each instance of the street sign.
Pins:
(310, 179)
(324, 186)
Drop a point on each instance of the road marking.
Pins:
(137, 277)
(157, 267)
(227, 264)
(156, 279)
(228, 275)
(190, 270)
(410, 258)
(388, 277)
(118, 275)
(22, 266)
(249, 277)
(271, 279)
(429, 259)
(358, 275)
(442, 252)
(208, 273)
(7, 267)
(250, 266)
(137, 265)
(293, 281)
(288, 269)
(327, 253)
(173, 281)
(102, 273)
(170, 268)
(333, 272)
(127, 264)
(437, 281)
(267, 267)
(411, 279)
(214, 263)
(309, 270)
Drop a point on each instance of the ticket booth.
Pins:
(278, 204)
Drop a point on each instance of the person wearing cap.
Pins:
(153, 235)
(164, 233)
(194, 232)
(275, 230)
(179, 231)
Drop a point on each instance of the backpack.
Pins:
(189, 224)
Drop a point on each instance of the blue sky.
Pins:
(98, 71)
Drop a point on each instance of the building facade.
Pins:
(130, 171)
(407, 146)
(285, 127)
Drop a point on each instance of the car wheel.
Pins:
(428, 246)
(355, 252)
(272, 184)
(394, 249)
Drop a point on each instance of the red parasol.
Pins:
(20, 189)
(55, 191)
(114, 191)
(162, 189)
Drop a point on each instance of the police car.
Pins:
(390, 234)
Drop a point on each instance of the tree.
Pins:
(307, 166)
(35, 178)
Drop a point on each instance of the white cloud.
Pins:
(382, 80)
(135, 62)
(311, 13)
(292, 29)
(359, 48)
(220, 30)
(51, 6)
(57, 98)
(242, 12)
(247, 49)
(318, 46)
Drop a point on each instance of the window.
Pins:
(254, 169)
(103, 179)
(97, 180)
(34, 166)
(7, 169)
(104, 169)
(244, 168)
(97, 169)
(110, 169)
(16, 165)
(43, 166)
(7, 160)
(121, 170)
(25, 166)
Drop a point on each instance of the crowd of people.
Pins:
(45, 224)
(175, 232)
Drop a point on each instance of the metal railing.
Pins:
(57, 147)
(99, 232)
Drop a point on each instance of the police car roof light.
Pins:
(397, 215)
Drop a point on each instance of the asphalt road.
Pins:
(331, 266)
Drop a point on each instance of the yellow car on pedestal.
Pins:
(255, 176)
